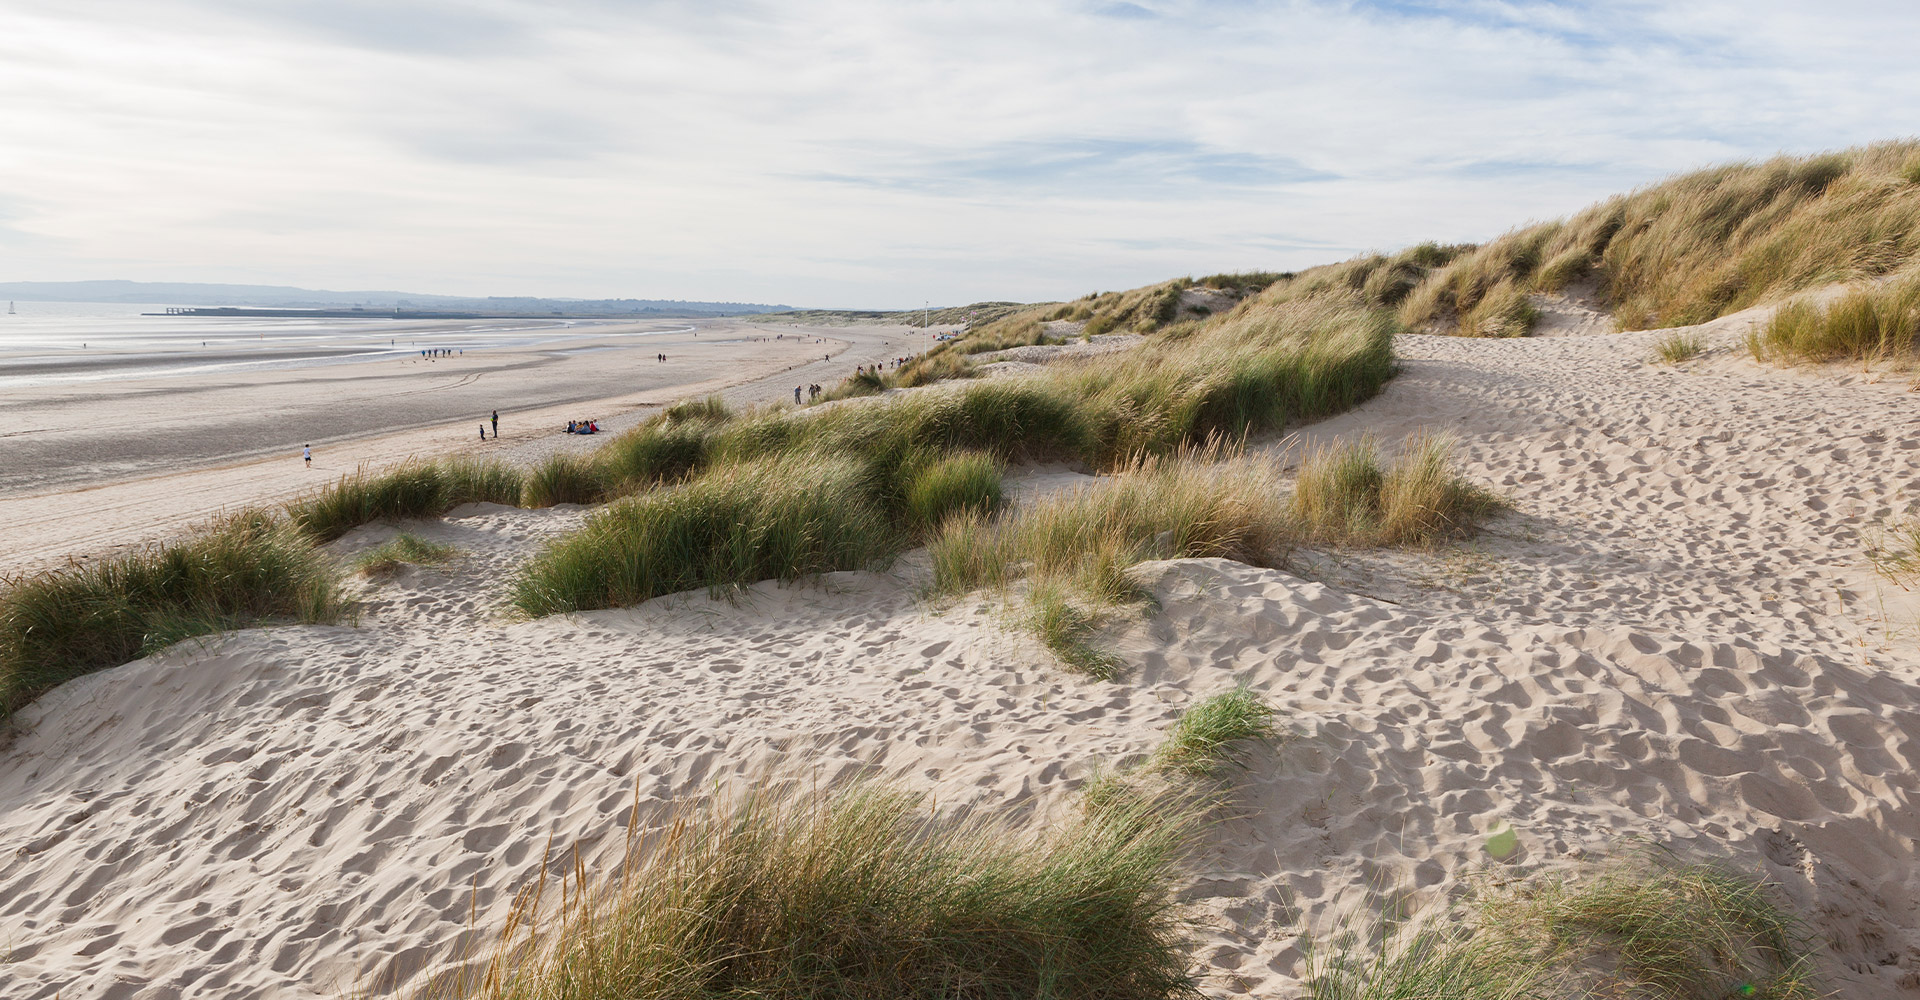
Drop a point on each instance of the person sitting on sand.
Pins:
(569, 427)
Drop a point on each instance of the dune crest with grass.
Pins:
(1232, 636)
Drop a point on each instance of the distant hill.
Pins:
(975, 314)
(286, 297)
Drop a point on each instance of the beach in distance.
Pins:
(122, 426)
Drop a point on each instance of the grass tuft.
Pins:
(1343, 495)
(859, 895)
(1653, 928)
(413, 490)
(962, 483)
(1066, 627)
(1881, 322)
(1683, 931)
(1073, 550)
(775, 518)
(1209, 737)
(247, 568)
(566, 478)
(1678, 347)
(403, 549)
(708, 408)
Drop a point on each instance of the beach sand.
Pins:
(99, 467)
(1675, 639)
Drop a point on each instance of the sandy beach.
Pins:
(98, 467)
(1674, 638)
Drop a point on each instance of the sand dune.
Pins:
(1674, 639)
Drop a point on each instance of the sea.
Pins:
(53, 343)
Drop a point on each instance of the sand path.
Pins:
(1673, 640)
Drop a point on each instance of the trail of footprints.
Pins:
(1663, 641)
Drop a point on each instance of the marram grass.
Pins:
(402, 550)
(1209, 738)
(1654, 928)
(776, 518)
(411, 490)
(245, 569)
(1876, 323)
(1344, 494)
(861, 894)
(1696, 246)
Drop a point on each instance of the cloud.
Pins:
(874, 153)
(1126, 12)
(1088, 168)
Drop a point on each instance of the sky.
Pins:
(846, 153)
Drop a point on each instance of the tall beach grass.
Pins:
(245, 569)
(773, 518)
(859, 895)
(1695, 246)
(1345, 494)
(1645, 927)
(1876, 323)
(411, 490)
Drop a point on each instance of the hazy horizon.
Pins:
(860, 155)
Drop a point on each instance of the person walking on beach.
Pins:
(796, 395)
(306, 452)
(496, 425)
(483, 432)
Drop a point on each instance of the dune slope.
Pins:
(1674, 639)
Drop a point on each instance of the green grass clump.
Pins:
(402, 550)
(1065, 625)
(1678, 347)
(566, 478)
(1344, 495)
(248, 568)
(708, 408)
(1655, 928)
(423, 489)
(1504, 312)
(1186, 506)
(960, 483)
(862, 895)
(1661, 929)
(773, 518)
(1398, 959)
(1876, 323)
(1073, 550)
(1209, 737)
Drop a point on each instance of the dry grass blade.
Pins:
(861, 894)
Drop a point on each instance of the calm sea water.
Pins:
(58, 342)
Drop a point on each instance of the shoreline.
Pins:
(118, 508)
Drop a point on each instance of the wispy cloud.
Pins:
(1088, 169)
(855, 151)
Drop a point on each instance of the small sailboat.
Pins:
(10, 309)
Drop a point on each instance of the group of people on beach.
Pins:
(583, 427)
(440, 352)
(496, 427)
(813, 392)
(877, 368)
